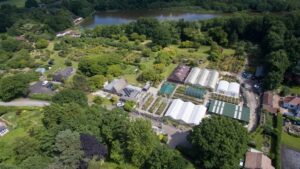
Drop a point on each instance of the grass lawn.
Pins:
(291, 141)
(19, 125)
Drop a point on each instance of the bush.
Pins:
(129, 105)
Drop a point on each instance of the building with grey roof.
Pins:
(41, 87)
(116, 86)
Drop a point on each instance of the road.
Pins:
(25, 103)
(251, 99)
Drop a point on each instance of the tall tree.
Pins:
(68, 146)
(219, 142)
(141, 141)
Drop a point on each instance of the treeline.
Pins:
(84, 7)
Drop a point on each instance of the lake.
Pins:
(123, 17)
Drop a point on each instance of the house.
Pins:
(41, 87)
(257, 160)
(116, 86)
(3, 130)
(130, 93)
(62, 75)
(292, 103)
(179, 74)
(270, 102)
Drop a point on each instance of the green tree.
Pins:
(218, 35)
(129, 105)
(96, 82)
(219, 142)
(69, 148)
(24, 147)
(80, 82)
(31, 4)
(115, 70)
(35, 162)
(70, 96)
(141, 141)
(163, 157)
(14, 86)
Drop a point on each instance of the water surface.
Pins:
(123, 17)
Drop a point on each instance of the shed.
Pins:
(260, 71)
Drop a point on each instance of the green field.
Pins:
(291, 141)
(19, 123)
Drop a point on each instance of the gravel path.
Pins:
(25, 102)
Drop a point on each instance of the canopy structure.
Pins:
(203, 78)
(186, 112)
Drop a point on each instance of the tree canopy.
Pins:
(219, 142)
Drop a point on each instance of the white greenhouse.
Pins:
(229, 89)
(186, 112)
(203, 78)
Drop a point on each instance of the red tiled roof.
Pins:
(292, 100)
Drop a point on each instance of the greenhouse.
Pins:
(167, 89)
(203, 77)
(186, 112)
(240, 113)
(195, 92)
